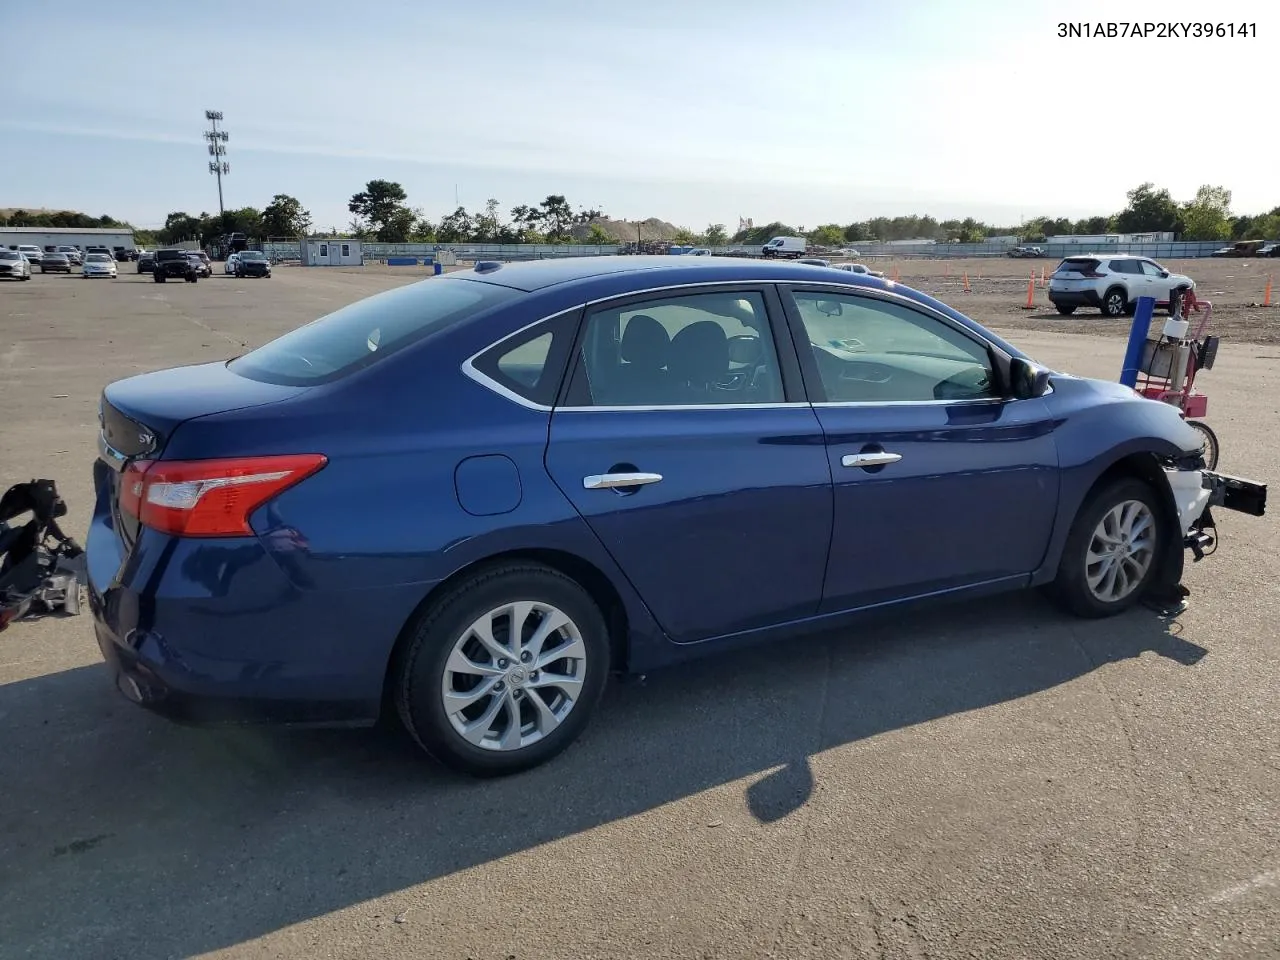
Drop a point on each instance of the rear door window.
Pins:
(368, 330)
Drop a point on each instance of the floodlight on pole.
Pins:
(217, 138)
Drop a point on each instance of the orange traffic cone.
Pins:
(1044, 277)
(966, 282)
(897, 275)
(1266, 297)
(1031, 293)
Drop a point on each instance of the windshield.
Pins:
(8, 255)
(368, 330)
(98, 258)
(250, 255)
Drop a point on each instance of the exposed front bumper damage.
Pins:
(1197, 492)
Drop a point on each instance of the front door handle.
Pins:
(877, 459)
(611, 481)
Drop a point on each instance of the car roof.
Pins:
(533, 275)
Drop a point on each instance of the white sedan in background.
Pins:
(229, 268)
(98, 265)
(859, 268)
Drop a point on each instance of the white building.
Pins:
(321, 252)
(1101, 238)
(50, 238)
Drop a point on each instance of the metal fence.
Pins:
(291, 250)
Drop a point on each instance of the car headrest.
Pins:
(645, 342)
(700, 353)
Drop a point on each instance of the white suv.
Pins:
(1112, 283)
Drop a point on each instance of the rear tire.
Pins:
(1114, 302)
(442, 647)
(1065, 309)
(1119, 528)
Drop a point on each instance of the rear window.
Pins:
(1078, 265)
(368, 330)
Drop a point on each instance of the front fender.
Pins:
(1104, 429)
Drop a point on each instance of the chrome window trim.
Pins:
(469, 368)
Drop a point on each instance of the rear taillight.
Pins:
(209, 498)
(1092, 274)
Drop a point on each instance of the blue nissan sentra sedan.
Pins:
(468, 500)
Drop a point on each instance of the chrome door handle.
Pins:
(869, 459)
(610, 481)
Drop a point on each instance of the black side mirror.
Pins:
(1027, 381)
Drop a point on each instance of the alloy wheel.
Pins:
(514, 675)
(1121, 551)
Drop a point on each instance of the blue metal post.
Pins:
(1137, 341)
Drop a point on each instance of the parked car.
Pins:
(72, 254)
(814, 261)
(785, 247)
(640, 464)
(146, 262)
(98, 265)
(229, 265)
(1113, 284)
(33, 253)
(1026, 252)
(202, 263)
(55, 263)
(1269, 250)
(173, 264)
(253, 263)
(859, 268)
(13, 265)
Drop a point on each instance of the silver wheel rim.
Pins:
(1115, 304)
(1121, 551)
(514, 676)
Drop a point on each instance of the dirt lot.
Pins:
(994, 780)
(999, 293)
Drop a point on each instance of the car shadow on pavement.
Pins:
(124, 835)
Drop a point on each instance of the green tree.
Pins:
(381, 204)
(424, 231)
(488, 226)
(598, 235)
(715, 235)
(684, 236)
(1149, 210)
(179, 226)
(828, 235)
(1208, 216)
(457, 227)
(556, 216)
(285, 217)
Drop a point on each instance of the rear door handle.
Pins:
(611, 481)
(877, 459)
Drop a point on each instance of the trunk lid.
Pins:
(139, 414)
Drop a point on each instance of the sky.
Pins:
(695, 112)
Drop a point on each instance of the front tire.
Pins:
(1112, 552)
(1115, 302)
(504, 671)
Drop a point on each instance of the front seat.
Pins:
(642, 378)
(698, 359)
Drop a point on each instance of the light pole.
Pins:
(217, 149)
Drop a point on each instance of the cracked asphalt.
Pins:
(986, 780)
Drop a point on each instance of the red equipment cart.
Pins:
(1171, 361)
